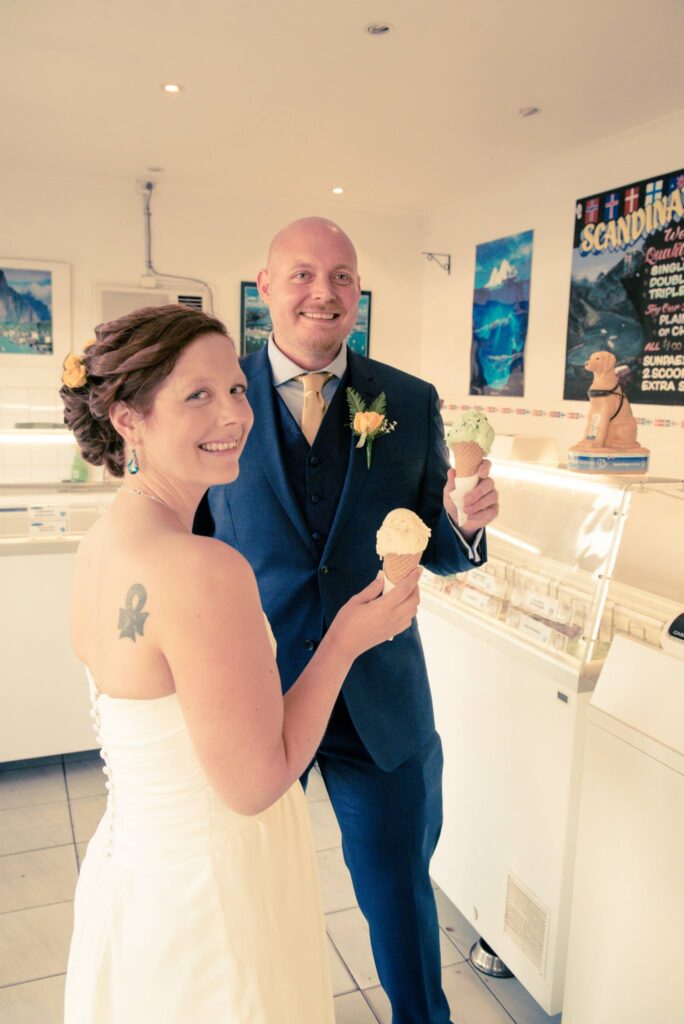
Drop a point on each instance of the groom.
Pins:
(305, 511)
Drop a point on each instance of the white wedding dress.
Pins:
(184, 910)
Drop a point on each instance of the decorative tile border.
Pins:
(505, 410)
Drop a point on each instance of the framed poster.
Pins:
(255, 322)
(35, 312)
(627, 289)
(501, 308)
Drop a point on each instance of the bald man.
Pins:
(305, 511)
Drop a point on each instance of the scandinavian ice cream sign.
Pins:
(627, 290)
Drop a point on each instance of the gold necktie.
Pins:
(314, 406)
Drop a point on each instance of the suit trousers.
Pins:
(390, 824)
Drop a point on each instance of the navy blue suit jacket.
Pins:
(387, 691)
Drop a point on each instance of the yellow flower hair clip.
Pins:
(74, 374)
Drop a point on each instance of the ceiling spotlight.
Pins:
(529, 111)
(338, 191)
(379, 28)
(171, 87)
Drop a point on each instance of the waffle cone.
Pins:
(467, 457)
(398, 567)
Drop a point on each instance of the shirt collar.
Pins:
(283, 369)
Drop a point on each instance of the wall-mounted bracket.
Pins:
(442, 259)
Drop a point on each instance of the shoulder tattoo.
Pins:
(131, 616)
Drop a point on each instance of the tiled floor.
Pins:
(48, 811)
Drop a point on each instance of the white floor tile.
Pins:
(326, 831)
(34, 943)
(342, 980)
(380, 1003)
(34, 827)
(86, 812)
(315, 787)
(518, 1001)
(85, 778)
(23, 786)
(470, 1000)
(34, 1002)
(349, 931)
(353, 1009)
(36, 878)
(336, 883)
(457, 928)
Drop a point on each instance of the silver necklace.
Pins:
(146, 494)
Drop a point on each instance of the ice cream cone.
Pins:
(401, 541)
(397, 567)
(468, 457)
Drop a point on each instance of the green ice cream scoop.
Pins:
(471, 426)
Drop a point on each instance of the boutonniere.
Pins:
(368, 423)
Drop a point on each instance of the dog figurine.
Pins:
(611, 427)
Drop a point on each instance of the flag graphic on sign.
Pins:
(612, 206)
(631, 199)
(591, 211)
(654, 190)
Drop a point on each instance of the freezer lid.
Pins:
(643, 688)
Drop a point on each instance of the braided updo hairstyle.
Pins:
(128, 361)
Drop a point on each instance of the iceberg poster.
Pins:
(627, 289)
(501, 304)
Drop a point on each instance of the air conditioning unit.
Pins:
(113, 301)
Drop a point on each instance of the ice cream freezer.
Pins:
(513, 651)
(44, 693)
(627, 916)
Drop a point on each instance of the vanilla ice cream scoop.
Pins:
(402, 533)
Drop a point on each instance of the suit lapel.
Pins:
(360, 377)
(265, 439)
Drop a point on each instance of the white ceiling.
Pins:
(286, 98)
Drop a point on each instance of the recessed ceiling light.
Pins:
(379, 28)
(338, 190)
(155, 170)
(529, 111)
(171, 87)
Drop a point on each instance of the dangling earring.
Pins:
(133, 464)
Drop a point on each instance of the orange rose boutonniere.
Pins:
(368, 423)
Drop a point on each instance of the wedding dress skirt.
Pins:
(184, 910)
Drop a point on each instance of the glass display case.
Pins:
(574, 560)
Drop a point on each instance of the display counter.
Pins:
(44, 691)
(513, 651)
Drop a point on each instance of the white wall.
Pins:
(544, 200)
(96, 225)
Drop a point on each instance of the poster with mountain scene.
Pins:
(627, 289)
(501, 305)
(26, 311)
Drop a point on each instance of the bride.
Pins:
(198, 896)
